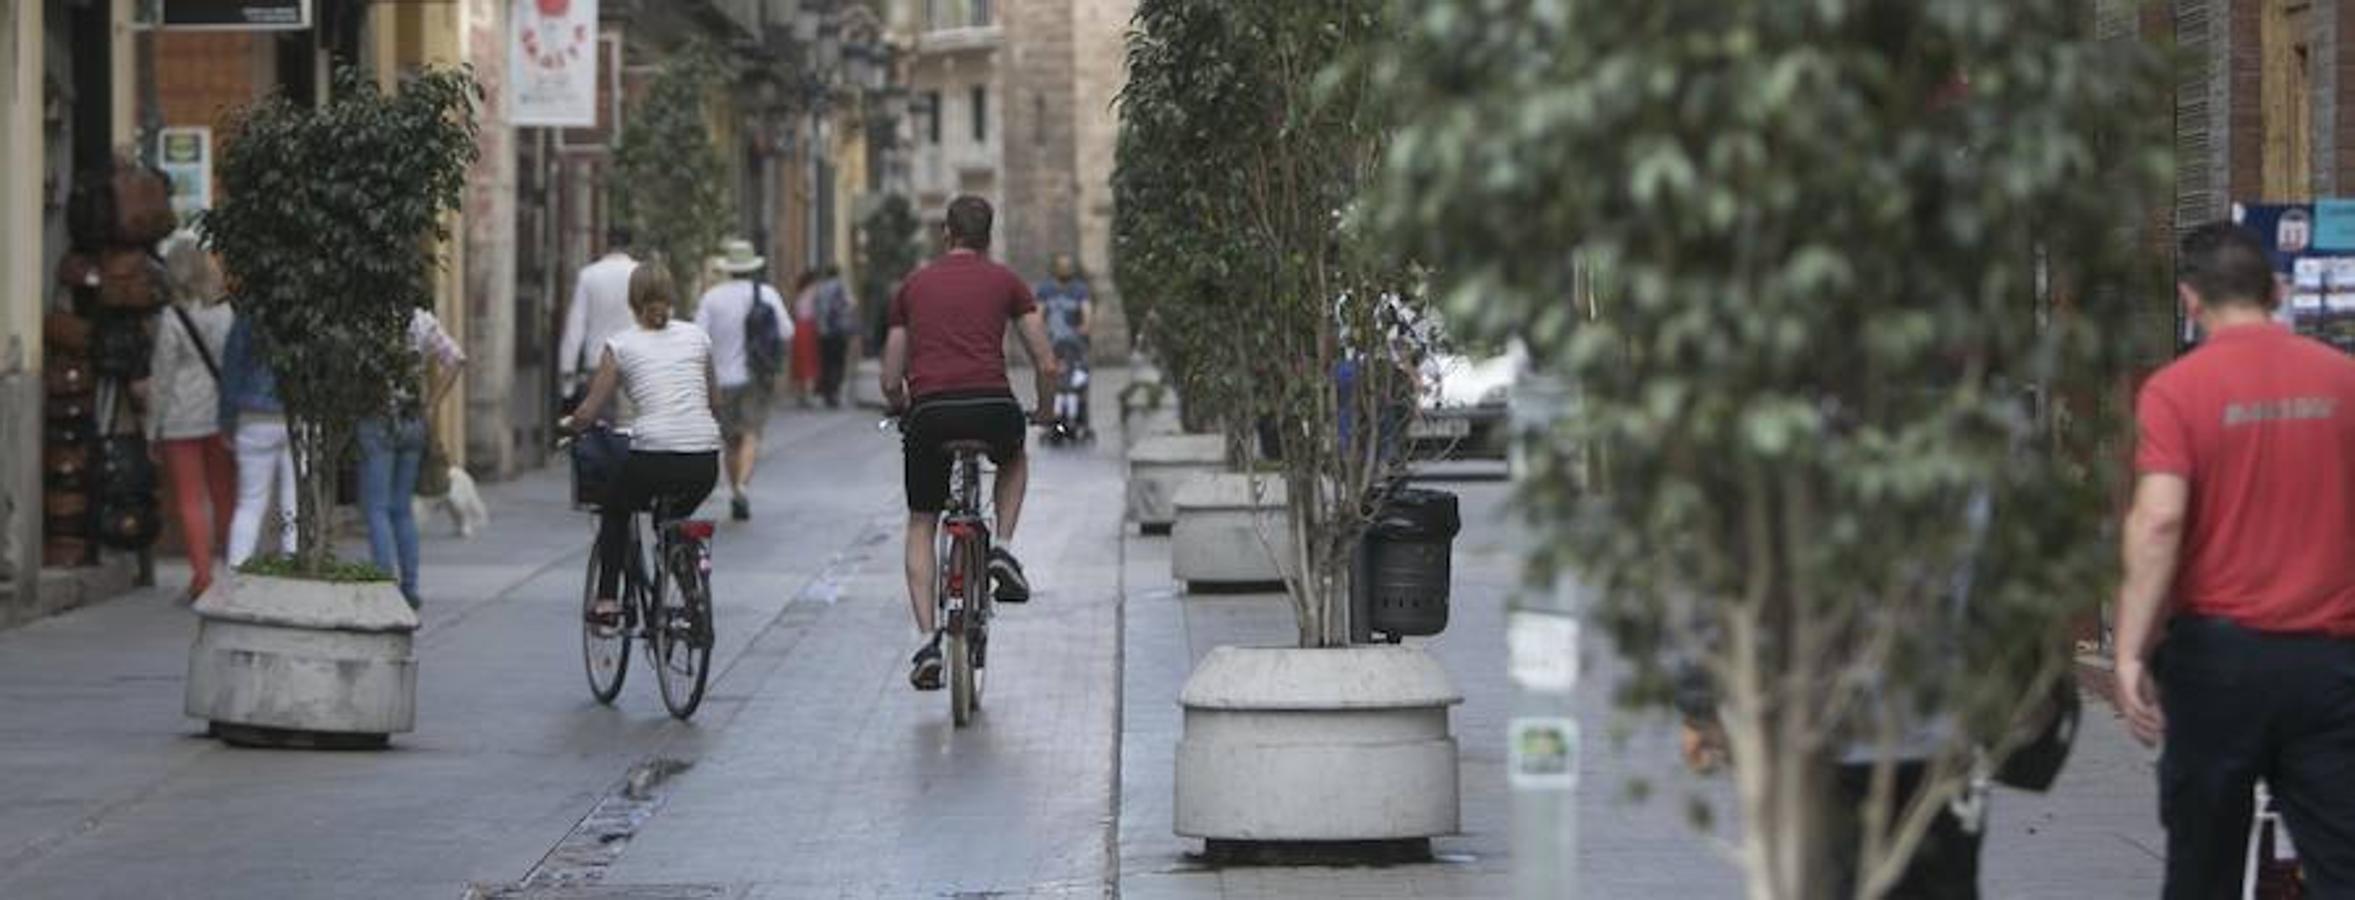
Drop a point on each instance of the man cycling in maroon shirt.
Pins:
(944, 370)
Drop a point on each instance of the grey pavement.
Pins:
(812, 771)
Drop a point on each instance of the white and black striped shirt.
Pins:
(666, 373)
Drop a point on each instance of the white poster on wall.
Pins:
(186, 156)
(552, 63)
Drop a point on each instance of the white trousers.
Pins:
(264, 461)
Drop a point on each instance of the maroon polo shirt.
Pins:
(955, 311)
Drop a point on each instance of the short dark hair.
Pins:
(2225, 264)
(619, 236)
(968, 222)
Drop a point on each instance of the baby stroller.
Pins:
(1071, 397)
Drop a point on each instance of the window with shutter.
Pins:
(2198, 168)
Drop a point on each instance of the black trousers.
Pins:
(680, 481)
(2244, 705)
(833, 356)
(1944, 867)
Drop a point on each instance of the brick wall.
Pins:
(200, 75)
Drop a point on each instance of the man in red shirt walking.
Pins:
(944, 365)
(2242, 541)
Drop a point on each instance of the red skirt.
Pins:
(805, 349)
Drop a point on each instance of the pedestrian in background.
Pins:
(2236, 618)
(256, 421)
(749, 331)
(183, 393)
(807, 367)
(392, 449)
(600, 309)
(1070, 312)
(837, 321)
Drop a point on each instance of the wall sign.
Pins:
(552, 63)
(186, 156)
(238, 15)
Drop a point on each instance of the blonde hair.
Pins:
(653, 294)
(192, 274)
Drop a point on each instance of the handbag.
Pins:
(65, 334)
(2035, 765)
(129, 278)
(123, 466)
(120, 349)
(67, 377)
(598, 455)
(66, 467)
(142, 203)
(65, 551)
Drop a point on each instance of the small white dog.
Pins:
(463, 503)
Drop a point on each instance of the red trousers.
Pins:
(201, 472)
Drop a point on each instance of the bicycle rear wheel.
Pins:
(682, 637)
(605, 649)
(963, 633)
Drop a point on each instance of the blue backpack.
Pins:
(764, 347)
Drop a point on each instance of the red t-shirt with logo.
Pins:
(2261, 422)
(955, 311)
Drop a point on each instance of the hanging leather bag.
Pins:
(120, 348)
(65, 334)
(129, 279)
(66, 467)
(142, 204)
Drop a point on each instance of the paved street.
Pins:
(812, 771)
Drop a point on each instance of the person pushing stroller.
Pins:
(1070, 311)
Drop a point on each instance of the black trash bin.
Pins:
(1405, 565)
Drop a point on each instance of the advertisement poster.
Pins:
(552, 63)
(186, 156)
(2313, 250)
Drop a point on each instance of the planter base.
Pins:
(260, 737)
(1159, 466)
(282, 662)
(1235, 587)
(1406, 851)
(1293, 749)
(1231, 529)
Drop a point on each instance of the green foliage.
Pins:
(342, 571)
(328, 222)
(670, 180)
(1238, 153)
(1820, 325)
(890, 247)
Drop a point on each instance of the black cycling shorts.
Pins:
(993, 417)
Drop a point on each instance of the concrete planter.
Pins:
(1159, 466)
(1139, 424)
(1231, 530)
(866, 384)
(1317, 745)
(292, 662)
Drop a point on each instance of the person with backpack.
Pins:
(837, 322)
(750, 331)
(184, 406)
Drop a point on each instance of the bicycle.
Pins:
(963, 601)
(667, 610)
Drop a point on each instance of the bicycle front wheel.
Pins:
(605, 647)
(682, 639)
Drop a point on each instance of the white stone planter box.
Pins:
(1137, 425)
(1231, 529)
(1340, 744)
(291, 661)
(866, 384)
(1158, 467)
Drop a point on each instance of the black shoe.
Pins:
(1012, 587)
(740, 509)
(925, 674)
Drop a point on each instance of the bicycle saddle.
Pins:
(980, 448)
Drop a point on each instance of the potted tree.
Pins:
(1861, 274)
(329, 222)
(1239, 156)
(670, 182)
